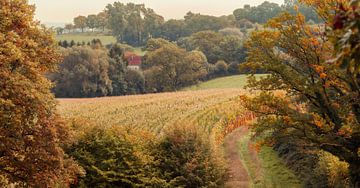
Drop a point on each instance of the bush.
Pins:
(221, 68)
(135, 82)
(234, 68)
(185, 158)
(108, 156)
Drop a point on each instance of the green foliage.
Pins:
(117, 69)
(172, 30)
(135, 82)
(168, 67)
(91, 21)
(221, 68)
(216, 46)
(259, 14)
(133, 23)
(83, 73)
(109, 158)
(184, 158)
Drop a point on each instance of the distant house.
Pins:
(133, 60)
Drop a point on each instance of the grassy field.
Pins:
(237, 81)
(86, 37)
(271, 172)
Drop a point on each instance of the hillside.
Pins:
(211, 110)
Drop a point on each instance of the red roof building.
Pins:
(133, 59)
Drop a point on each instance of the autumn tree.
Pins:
(317, 98)
(69, 27)
(102, 20)
(168, 67)
(80, 22)
(30, 130)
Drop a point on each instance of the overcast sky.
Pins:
(63, 11)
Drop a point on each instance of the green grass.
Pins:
(86, 37)
(276, 174)
(238, 81)
(273, 172)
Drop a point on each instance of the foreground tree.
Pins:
(321, 104)
(30, 130)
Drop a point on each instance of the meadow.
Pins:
(86, 37)
(237, 81)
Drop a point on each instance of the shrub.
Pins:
(185, 158)
(135, 82)
(109, 158)
(221, 68)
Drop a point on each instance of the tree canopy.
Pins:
(30, 130)
(317, 98)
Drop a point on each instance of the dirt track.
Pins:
(238, 176)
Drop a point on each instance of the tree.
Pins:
(91, 21)
(168, 67)
(321, 103)
(59, 30)
(30, 131)
(133, 23)
(109, 159)
(117, 69)
(184, 158)
(231, 49)
(80, 22)
(208, 43)
(221, 68)
(231, 32)
(102, 20)
(173, 29)
(259, 14)
(197, 22)
(135, 82)
(217, 46)
(309, 13)
(83, 73)
(69, 27)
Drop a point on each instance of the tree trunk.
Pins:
(354, 170)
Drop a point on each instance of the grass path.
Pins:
(250, 168)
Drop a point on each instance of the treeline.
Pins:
(93, 70)
(134, 24)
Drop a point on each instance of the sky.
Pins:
(63, 11)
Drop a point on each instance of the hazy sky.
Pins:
(65, 10)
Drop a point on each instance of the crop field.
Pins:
(153, 112)
(86, 37)
(211, 110)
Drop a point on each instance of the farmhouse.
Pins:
(133, 60)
